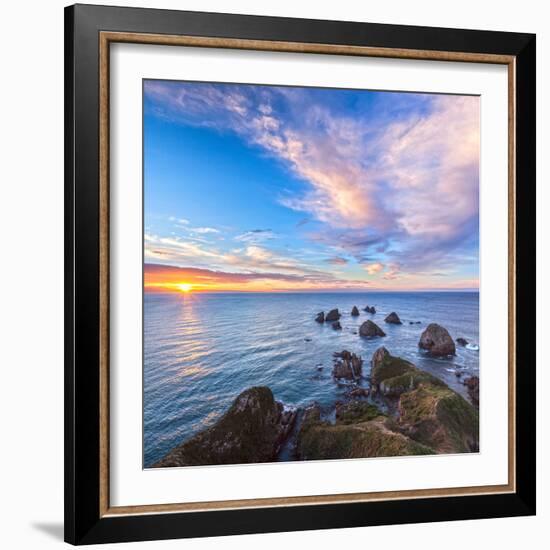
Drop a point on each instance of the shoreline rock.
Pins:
(336, 325)
(472, 383)
(462, 341)
(320, 317)
(437, 341)
(251, 430)
(369, 329)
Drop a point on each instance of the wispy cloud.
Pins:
(396, 187)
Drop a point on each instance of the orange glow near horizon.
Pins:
(192, 281)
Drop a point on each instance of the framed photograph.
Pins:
(300, 274)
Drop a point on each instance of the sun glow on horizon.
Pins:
(184, 287)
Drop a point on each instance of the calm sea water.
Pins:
(202, 350)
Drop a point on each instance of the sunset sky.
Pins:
(262, 188)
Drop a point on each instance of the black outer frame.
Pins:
(83, 524)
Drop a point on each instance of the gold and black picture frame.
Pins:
(126, 126)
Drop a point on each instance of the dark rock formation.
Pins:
(462, 341)
(361, 431)
(354, 311)
(393, 318)
(320, 317)
(347, 365)
(370, 330)
(252, 430)
(370, 309)
(336, 325)
(332, 315)
(472, 383)
(437, 341)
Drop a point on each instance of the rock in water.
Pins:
(472, 383)
(332, 315)
(370, 330)
(336, 325)
(354, 311)
(370, 309)
(462, 341)
(347, 365)
(437, 341)
(393, 318)
(320, 317)
(252, 430)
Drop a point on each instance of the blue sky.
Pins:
(282, 188)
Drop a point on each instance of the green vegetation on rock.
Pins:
(356, 411)
(436, 416)
(356, 440)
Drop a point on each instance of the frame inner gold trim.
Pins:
(105, 39)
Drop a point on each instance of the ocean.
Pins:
(202, 349)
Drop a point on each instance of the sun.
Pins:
(184, 287)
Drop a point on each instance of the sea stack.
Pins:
(437, 341)
(332, 315)
(370, 330)
(393, 319)
(354, 312)
(320, 317)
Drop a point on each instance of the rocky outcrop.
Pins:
(393, 318)
(428, 410)
(360, 431)
(347, 365)
(354, 312)
(440, 418)
(320, 317)
(370, 330)
(462, 341)
(370, 309)
(392, 376)
(437, 341)
(472, 383)
(336, 325)
(332, 315)
(252, 430)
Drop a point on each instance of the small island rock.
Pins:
(354, 311)
(336, 325)
(393, 319)
(347, 365)
(370, 330)
(437, 341)
(332, 315)
(370, 309)
(320, 317)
